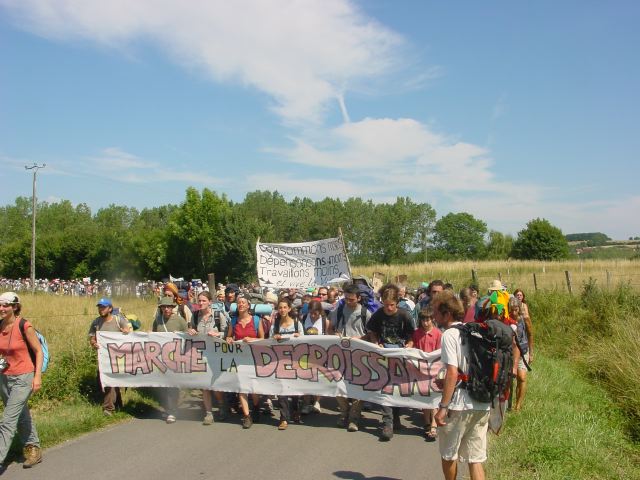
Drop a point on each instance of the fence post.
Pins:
(608, 279)
(500, 276)
(568, 275)
(535, 282)
(474, 276)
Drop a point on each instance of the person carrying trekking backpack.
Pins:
(108, 321)
(350, 320)
(285, 326)
(462, 418)
(20, 376)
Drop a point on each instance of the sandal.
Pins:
(431, 434)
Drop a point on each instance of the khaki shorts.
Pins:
(464, 437)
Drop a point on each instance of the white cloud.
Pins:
(118, 165)
(302, 53)
(398, 154)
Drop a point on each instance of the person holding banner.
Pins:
(350, 319)
(108, 322)
(285, 327)
(212, 322)
(315, 323)
(169, 322)
(246, 327)
(390, 327)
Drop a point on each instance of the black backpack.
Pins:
(490, 360)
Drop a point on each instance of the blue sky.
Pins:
(507, 110)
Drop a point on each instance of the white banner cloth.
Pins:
(301, 265)
(324, 365)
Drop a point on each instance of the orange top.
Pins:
(14, 348)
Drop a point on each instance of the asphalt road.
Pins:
(148, 448)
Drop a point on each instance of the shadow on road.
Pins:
(359, 476)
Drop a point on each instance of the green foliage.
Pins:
(499, 246)
(460, 236)
(540, 241)
(592, 239)
(596, 331)
(568, 429)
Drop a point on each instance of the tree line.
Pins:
(207, 232)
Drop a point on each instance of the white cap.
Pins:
(9, 297)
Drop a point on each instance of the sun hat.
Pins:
(496, 285)
(167, 302)
(9, 297)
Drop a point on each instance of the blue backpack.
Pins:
(43, 345)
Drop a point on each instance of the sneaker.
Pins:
(247, 421)
(306, 410)
(316, 407)
(353, 427)
(107, 413)
(387, 432)
(32, 456)
(268, 406)
(208, 419)
(170, 419)
(283, 425)
(342, 421)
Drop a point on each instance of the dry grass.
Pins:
(515, 273)
(65, 320)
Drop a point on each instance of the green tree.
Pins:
(540, 241)
(194, 242)
(460, 235)
(499, 246)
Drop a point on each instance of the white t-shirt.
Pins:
(454, 353)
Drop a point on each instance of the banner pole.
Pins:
(257, 259)
(346, 255)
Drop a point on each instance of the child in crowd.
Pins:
(427, 338)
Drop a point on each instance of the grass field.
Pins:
(515, 273)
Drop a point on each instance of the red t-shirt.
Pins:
(470, 315)
(249, 330)
(14, 348)
(427, 341)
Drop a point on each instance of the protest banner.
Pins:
(302, 265)
(324, 365)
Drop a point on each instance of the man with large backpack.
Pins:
(108, 321)
(350, 319)
(468, 391)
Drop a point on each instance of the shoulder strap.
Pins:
(340, 316)
(216, 319)
(24, 335)
(363, 317)
(276, 325)
(256, 324)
